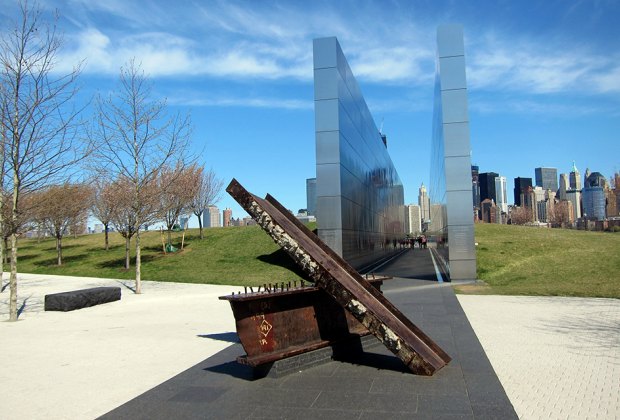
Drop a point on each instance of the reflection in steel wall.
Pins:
(450, 191)
(360, 197)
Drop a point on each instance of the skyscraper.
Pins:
(500, 193)
(593, 196)
(564, 186)
(547, 178)
(211, 217)
(475, 186)
(487, 185)
(425, 203)
(575, 180)
(521, 186)
(311, 196)
(413, 219)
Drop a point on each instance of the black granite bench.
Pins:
(77, 299)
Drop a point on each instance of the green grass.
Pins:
(518, 260)
(233, 255)
(512, 260)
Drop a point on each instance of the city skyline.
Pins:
(543, 80)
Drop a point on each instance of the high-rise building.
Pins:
(413, 219)
(211, 217)
(521, 186)
(487, 185)
(564, 186)
(593, 196)
(227, 215)
(311, 196)
(575, 180)
(500, 193)
(547, 178)
(574, 196)
(488, 209)
(425, 203)
(475, 186)
(586, 176)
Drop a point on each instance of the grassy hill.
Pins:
(512, 260)
(516, 260)
(242, 256)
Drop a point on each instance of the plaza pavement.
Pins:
(555, 357)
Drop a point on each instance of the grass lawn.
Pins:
(244, 256)
(512, 260)
(519, 260)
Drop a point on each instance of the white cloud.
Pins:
(245, 102)
(529, 67)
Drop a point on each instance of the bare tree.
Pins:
(179, 186)
(61, 206)
(40, 121)
(104, 206)
(521, 215)
(123, 216)
(136, 140)
(209, 190)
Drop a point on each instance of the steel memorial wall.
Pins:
(360, 198)
(450, 189)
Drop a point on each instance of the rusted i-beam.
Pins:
(349, 289)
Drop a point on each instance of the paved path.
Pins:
(81, 364)
(555, 357)
(558, 358)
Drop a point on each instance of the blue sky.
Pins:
(543, 78)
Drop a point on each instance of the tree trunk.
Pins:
(127, 240)
(13, 280)
(59, 249)
(138, 263)
(107, 243)
(2, 261)
(5, 255)
(200, 226)
(169, 236)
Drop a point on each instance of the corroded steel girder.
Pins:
(348, 288)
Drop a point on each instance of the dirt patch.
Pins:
(473, 289)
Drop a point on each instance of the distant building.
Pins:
(500, 193)
(489, 211)
(311, 196)
(611, 203)
(438, 219)
(183, 222)
(425, 203)
(547, 178)
(593, 196)
(564, 186)
(574, 178)
(475, 186)
(487, 185)
(227, 216)
(574, 196)
(98, 228)
(521, 186)
(211, 217)
(413, 219)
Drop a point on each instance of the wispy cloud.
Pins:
(244, 102)
(274, 41)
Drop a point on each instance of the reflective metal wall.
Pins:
(360, 198)
(450, 190)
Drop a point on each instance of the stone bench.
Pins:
(78, 299)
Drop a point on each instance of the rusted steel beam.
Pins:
(279, 324)
(349, 289)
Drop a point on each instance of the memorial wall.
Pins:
(360, 198)
(450, 189)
